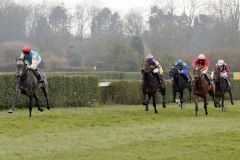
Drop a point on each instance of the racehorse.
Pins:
(179, 83)
(222, 87)
(27, 84)
(201, 88)
(150, 86)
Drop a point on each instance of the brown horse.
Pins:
(201, 88)
(150, 86)
(222, 87)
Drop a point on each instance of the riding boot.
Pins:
(228, 82)
(158, 76)
(185, 76)
(208, 79)
(188, 78)
(38, 75)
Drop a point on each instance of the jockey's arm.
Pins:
(205, 67)
(24, 59)
(194, 62)
(35, 62)
(228, 70)
(185, 69)
(152, 67)
(22, 56)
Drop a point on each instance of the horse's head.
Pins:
(174, 72)
(217, 74)
(20, 68)
(147, 74)
(197, 72)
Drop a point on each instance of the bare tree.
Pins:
(134, 23)
(193, 6)
(167, 6)
(82, 18)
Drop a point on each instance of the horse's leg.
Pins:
(36, 99)
(44, 89)
(212, 94)
(218, 99)
(196, 104)
(30, 106)
(205, 105)
(190, 94)
(163, 92)
(230, 93)
(154, 103)
(181, 98)
(223, 96)
(174, 95)
(143, 99)
(147, 102)
(16, 100)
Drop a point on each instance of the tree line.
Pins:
(91, 36)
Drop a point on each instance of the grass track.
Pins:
(121, 133)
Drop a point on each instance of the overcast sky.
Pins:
(118, 5)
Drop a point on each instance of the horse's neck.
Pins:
(30, 77)
(149, 79)
(182, 80)
(199, 81)
(176, 80)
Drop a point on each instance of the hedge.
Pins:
(103, 75)
(64, 91)
(76, 90)
(129, 92)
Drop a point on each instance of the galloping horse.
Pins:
(222, 87)
(201, 88)
(27, 84)
(179, 83)
(150, 86)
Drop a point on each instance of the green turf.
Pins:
(121, 133)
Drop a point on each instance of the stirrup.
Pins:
(41, 80)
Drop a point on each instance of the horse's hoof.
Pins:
(232, 103)
(156, 112)
(48, 108)
(146, 109)
(40, 109)
(143, 103)
(164, 105)
(10, 111)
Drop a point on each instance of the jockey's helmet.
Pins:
(26, 50)
(179, 62)
(149, 56)
(220, 62)
(201, 57)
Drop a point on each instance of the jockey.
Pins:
(183, 69)
(154, 64)
(32, 59)
(224, 70)
(203, 62)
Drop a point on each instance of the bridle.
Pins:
(20, 63)
(198, 74)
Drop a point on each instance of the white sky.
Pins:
(119, 5)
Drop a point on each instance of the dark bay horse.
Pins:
(222, 87)
(27, 84)
(201, 88)
(179, 83)
(150, 86)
